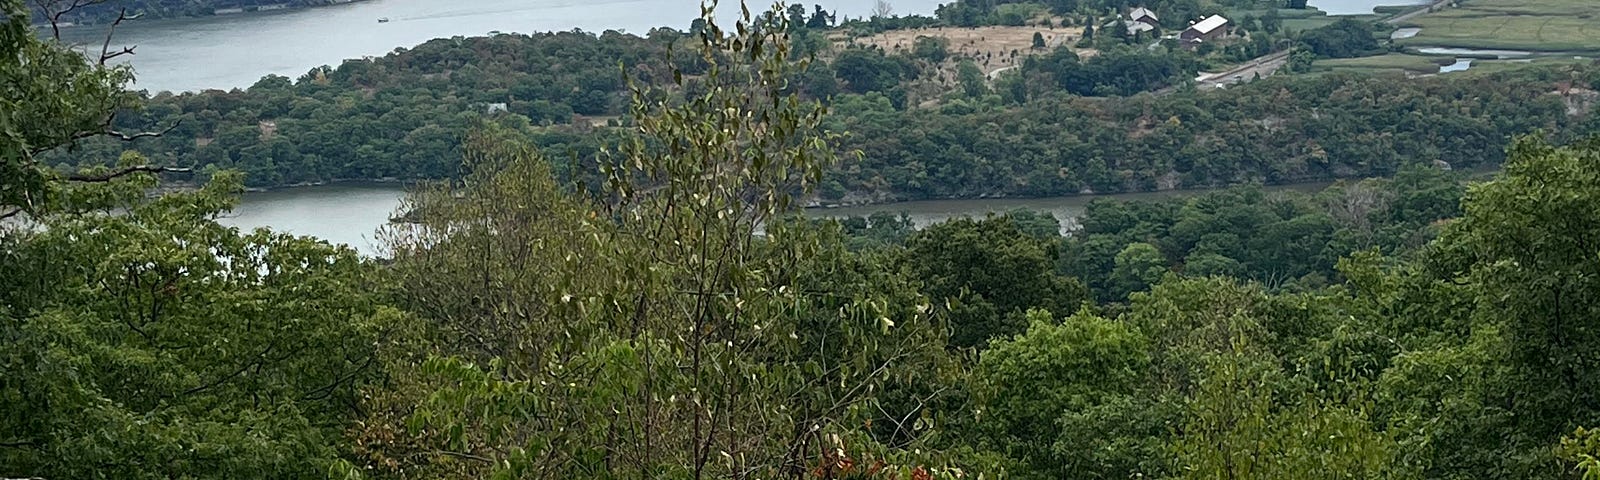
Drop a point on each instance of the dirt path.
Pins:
(1264, 66)
(996, 74)
(1432, 7)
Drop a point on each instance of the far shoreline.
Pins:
(229, 12)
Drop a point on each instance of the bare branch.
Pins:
(125, 172)
(128, 138)
(10, 214)
(106, 56)
(106, 130)
(105, 48)
(54, 16)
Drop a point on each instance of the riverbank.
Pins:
(189, 54)
(398, 182)
(353, 214)
(205, 12)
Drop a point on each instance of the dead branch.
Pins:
(128, 138)
(125, 172)
(54, 16)
(106, 130)
(105, 48)
(10, 214)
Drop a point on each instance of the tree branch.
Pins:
(106, 130)
(105, 48)
(125, 172)
(47, 6)
(128, 138)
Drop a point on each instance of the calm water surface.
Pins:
(234, 51)
(341, 214)
(237, 50)
(229, 51)
(352, 214)
(1359, 7)
(1461, 65)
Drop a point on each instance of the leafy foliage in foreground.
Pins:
(648, 331)
(674, 323)
(143, 339)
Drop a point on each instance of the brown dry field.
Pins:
(991, 47)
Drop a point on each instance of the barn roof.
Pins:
(1210, 24)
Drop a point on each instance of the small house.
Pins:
(1135, 28)
(1211, 28)
(1145, 16)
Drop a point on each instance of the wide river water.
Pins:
(353, 214)
(234, 51)
(229, 51)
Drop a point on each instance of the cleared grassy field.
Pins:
(1492, 66)
(1393, 61)
(991, 47)
(1537, 25)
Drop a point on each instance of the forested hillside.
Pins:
(677, 318)
(1276, 130)
(400, 116)
(403, 116)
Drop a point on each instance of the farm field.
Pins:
(1536, 25)
(1393, 61)
(1493, 66)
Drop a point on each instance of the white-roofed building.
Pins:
(1208, 29)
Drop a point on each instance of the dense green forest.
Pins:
(1058, 126)
(401, 116)
(676, 318)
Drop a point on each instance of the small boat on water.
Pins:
(383, 20)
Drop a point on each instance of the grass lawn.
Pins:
(1538, 25)
(1393, 61)
(1492, 66)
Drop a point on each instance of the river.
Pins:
(1359, 7)
(234, 51)
(352, 214)
(341, 214)
(231, 51)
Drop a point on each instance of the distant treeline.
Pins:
(106, 12)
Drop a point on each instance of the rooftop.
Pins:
(1209, 24)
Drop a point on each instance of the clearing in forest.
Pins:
(991, 47)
